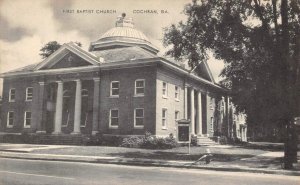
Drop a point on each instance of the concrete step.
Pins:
(204, 141)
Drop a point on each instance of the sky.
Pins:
(27, 25)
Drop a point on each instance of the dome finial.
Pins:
(124, 22)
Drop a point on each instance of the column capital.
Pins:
(59, 82)
(77, 80)
(96, 79)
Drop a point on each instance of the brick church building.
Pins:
(119, 87)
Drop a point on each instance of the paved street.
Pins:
(16, 171)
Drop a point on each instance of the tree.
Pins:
(51, 47)
(259, 41)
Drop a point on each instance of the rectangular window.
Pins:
(84, 119)
(176, 115)
(211, 103)
(139, 117)
(114, 88)
(114, 118)
(177, 92)
(12, 95)
(27, 119)
(10, 119)
(29, 93)
(164, 118)
(139, 87)
(165, 89)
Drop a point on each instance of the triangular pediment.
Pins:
(68, 60)
(68, 56)
(203, 71)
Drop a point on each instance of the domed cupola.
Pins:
(123, 35)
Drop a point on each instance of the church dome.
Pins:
(124, 32)
(123, 35)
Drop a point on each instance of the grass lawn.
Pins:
(220, 154)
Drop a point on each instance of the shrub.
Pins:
(194, 140)
(132, 142)
(223, 140)
(111, 140)
(150, 142)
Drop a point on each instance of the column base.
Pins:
(95, 132)
(56, 133)
(75, 133)
(41, 132)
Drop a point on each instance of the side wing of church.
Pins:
(119, 87)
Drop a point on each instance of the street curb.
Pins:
(141, 162)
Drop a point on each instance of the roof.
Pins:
(121, 54)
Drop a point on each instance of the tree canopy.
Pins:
(51, 47)
(259, 41)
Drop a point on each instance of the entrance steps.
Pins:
(205, 141)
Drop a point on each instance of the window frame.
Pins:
(212, 123)
(27, 94)
(135, 117)
(211, 103)
(9, 95)
(135, 87)
(113, 126)
(85, 120)
(8, 119)
(25, 119)
(111, 89)
(165, 89)
(177, 115)
(164, 119)
(177, 93)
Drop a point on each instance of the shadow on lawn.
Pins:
(161, 155)
(267, 147)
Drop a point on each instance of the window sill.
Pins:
(64, 125)
(139, 95)
(27, 126)
(165, 97)
(82, 126)
(139, 127)
(28, 100)
(112, 127)
(164, 128)
(11, 101)
(177, 100)
(114, 96)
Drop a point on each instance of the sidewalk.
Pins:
(225, 157)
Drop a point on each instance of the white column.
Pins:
(185, 103)
(199, 115)
(77, 111)
(58, 108)
(95, 128)
(192, 112)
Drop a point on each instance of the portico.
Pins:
(193, 109)
(67, 104)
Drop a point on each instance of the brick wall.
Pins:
(20, 105)
(127, 101)
(168, 102)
